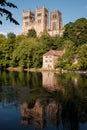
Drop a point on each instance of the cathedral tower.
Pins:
(55, 20)
(39, 22)
(55, 23)
(28, 19)
(41, 19)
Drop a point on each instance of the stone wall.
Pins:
(39, 21)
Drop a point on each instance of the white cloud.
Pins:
(3, 33)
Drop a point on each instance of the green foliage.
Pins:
(44, 34)
(75, 66)
(27, 53)
(58, 42)
(6, 53)
(11, 35)
(31, 33)
(51, 43)
(65, 61)
(77, 31)
(82, 56)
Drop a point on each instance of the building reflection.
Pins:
(40, 116)
(75, 81)
(35, 115)
(53, 113)
(49, 81)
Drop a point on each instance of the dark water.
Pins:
(43, 101)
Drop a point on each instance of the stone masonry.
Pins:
(40, 20)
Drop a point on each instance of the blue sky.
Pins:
(70, 9)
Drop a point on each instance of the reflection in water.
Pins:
(75, 81)
(53, 111)
(51, 114)
(36, 114)
(61, 104)
(39, 114)
(49, 81)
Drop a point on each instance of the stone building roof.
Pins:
(54, 53)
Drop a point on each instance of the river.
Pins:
(43, 101)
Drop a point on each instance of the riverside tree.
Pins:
(77, 31)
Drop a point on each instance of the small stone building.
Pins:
(50, 58)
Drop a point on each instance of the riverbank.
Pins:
(29, 69)
(19, 69)
(14, 69)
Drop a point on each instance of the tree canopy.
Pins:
(31, 33)
(11, 35)
(77, 31)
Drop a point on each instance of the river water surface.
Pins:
(43, 101)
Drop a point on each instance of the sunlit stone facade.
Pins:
(50, 59)
(39, 21)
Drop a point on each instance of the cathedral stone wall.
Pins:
(39, 21)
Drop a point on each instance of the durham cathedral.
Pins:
(40, 21)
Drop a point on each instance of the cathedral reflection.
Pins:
(53, 111)
(40, 116)
(35, 115)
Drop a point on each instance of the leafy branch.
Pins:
(7, 13)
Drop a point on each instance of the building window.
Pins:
(46, 15)
(26, 17)
(46, 61)
(54, 16)
(39, 21)
(46, 56)
(39, 14)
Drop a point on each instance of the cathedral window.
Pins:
(26, 17)
(54, 16)
(46, 15)
(39, 21)
(39, 14)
